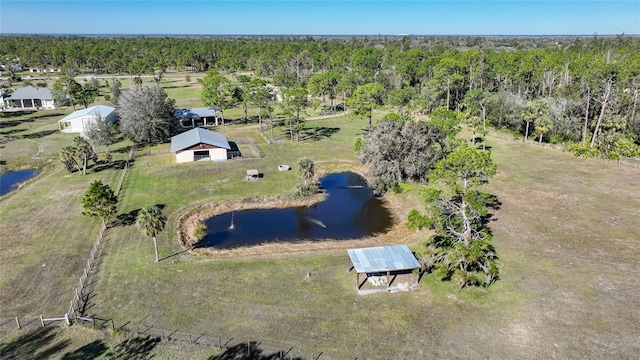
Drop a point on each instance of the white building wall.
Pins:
(217, 155)
(184, 156)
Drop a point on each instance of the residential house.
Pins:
(30, 97)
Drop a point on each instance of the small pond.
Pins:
(10, 181)
(350, 211)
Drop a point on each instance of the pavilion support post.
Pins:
(357, 280)
(388, 283)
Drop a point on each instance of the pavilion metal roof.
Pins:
(197, 136)
(383, 259)
(196, 113)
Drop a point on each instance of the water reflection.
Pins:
(350, 211)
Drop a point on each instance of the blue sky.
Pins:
(305, 17)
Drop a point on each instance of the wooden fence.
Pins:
(74, 304)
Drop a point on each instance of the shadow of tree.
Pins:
(251, 351)
(39, 134)
(318, 133)
(128, 218)
(114, 165)
(38, 344)
(89, 351)
(136, 348)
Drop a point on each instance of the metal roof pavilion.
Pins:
(383, 259)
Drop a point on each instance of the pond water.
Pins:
(350, 211)
(11, 181)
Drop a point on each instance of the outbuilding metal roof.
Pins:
(102, 110)
(196, 136)
(196, 113)
(382, 259)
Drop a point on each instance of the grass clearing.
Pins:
(566, 233)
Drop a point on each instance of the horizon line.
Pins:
(324, 35)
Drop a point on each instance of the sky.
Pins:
(307, 17)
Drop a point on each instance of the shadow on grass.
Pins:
(113, 165)
(172, 255)
(89, 351)
(250, 351)
(37, 344)
(128, 218)
(136, 348)
(318, 133)
(39, 134)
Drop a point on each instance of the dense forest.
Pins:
(582, 91)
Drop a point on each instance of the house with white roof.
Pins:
(200, 144)
(79, 121)
(29, 97)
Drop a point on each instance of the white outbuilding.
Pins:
(79, 121)
(200, 145)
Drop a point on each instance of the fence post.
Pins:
(66, 319)
(18, 323)
(42, 320)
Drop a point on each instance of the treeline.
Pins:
(581, 90)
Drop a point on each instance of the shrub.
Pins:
(583, 150)
(200, 231)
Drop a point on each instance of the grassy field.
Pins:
(566, 232)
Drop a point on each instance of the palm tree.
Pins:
(305, 169)
(151, 221)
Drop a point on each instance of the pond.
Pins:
(11, 181)
(350, 211)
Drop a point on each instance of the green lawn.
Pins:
(566, 233)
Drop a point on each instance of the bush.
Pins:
(200, 231)
(416, 221)
(42, 84)
(583, 150)
(304, 190)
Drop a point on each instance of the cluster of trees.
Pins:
(581, 90)
(400, 149)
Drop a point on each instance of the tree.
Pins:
(293, 103)
(260, 95)
(244, 81)
(146, 115)
(84, 151)
(103, 132)
(67, 89)
(151, 221)
(86, 94)
(542, 126)
(534, 110)
(400, 98)
(215, 92)
(100, 201)
(116, 90)
(395, 152)
(364, 99)
(67, 154)
(460, 248)
(306, 169)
